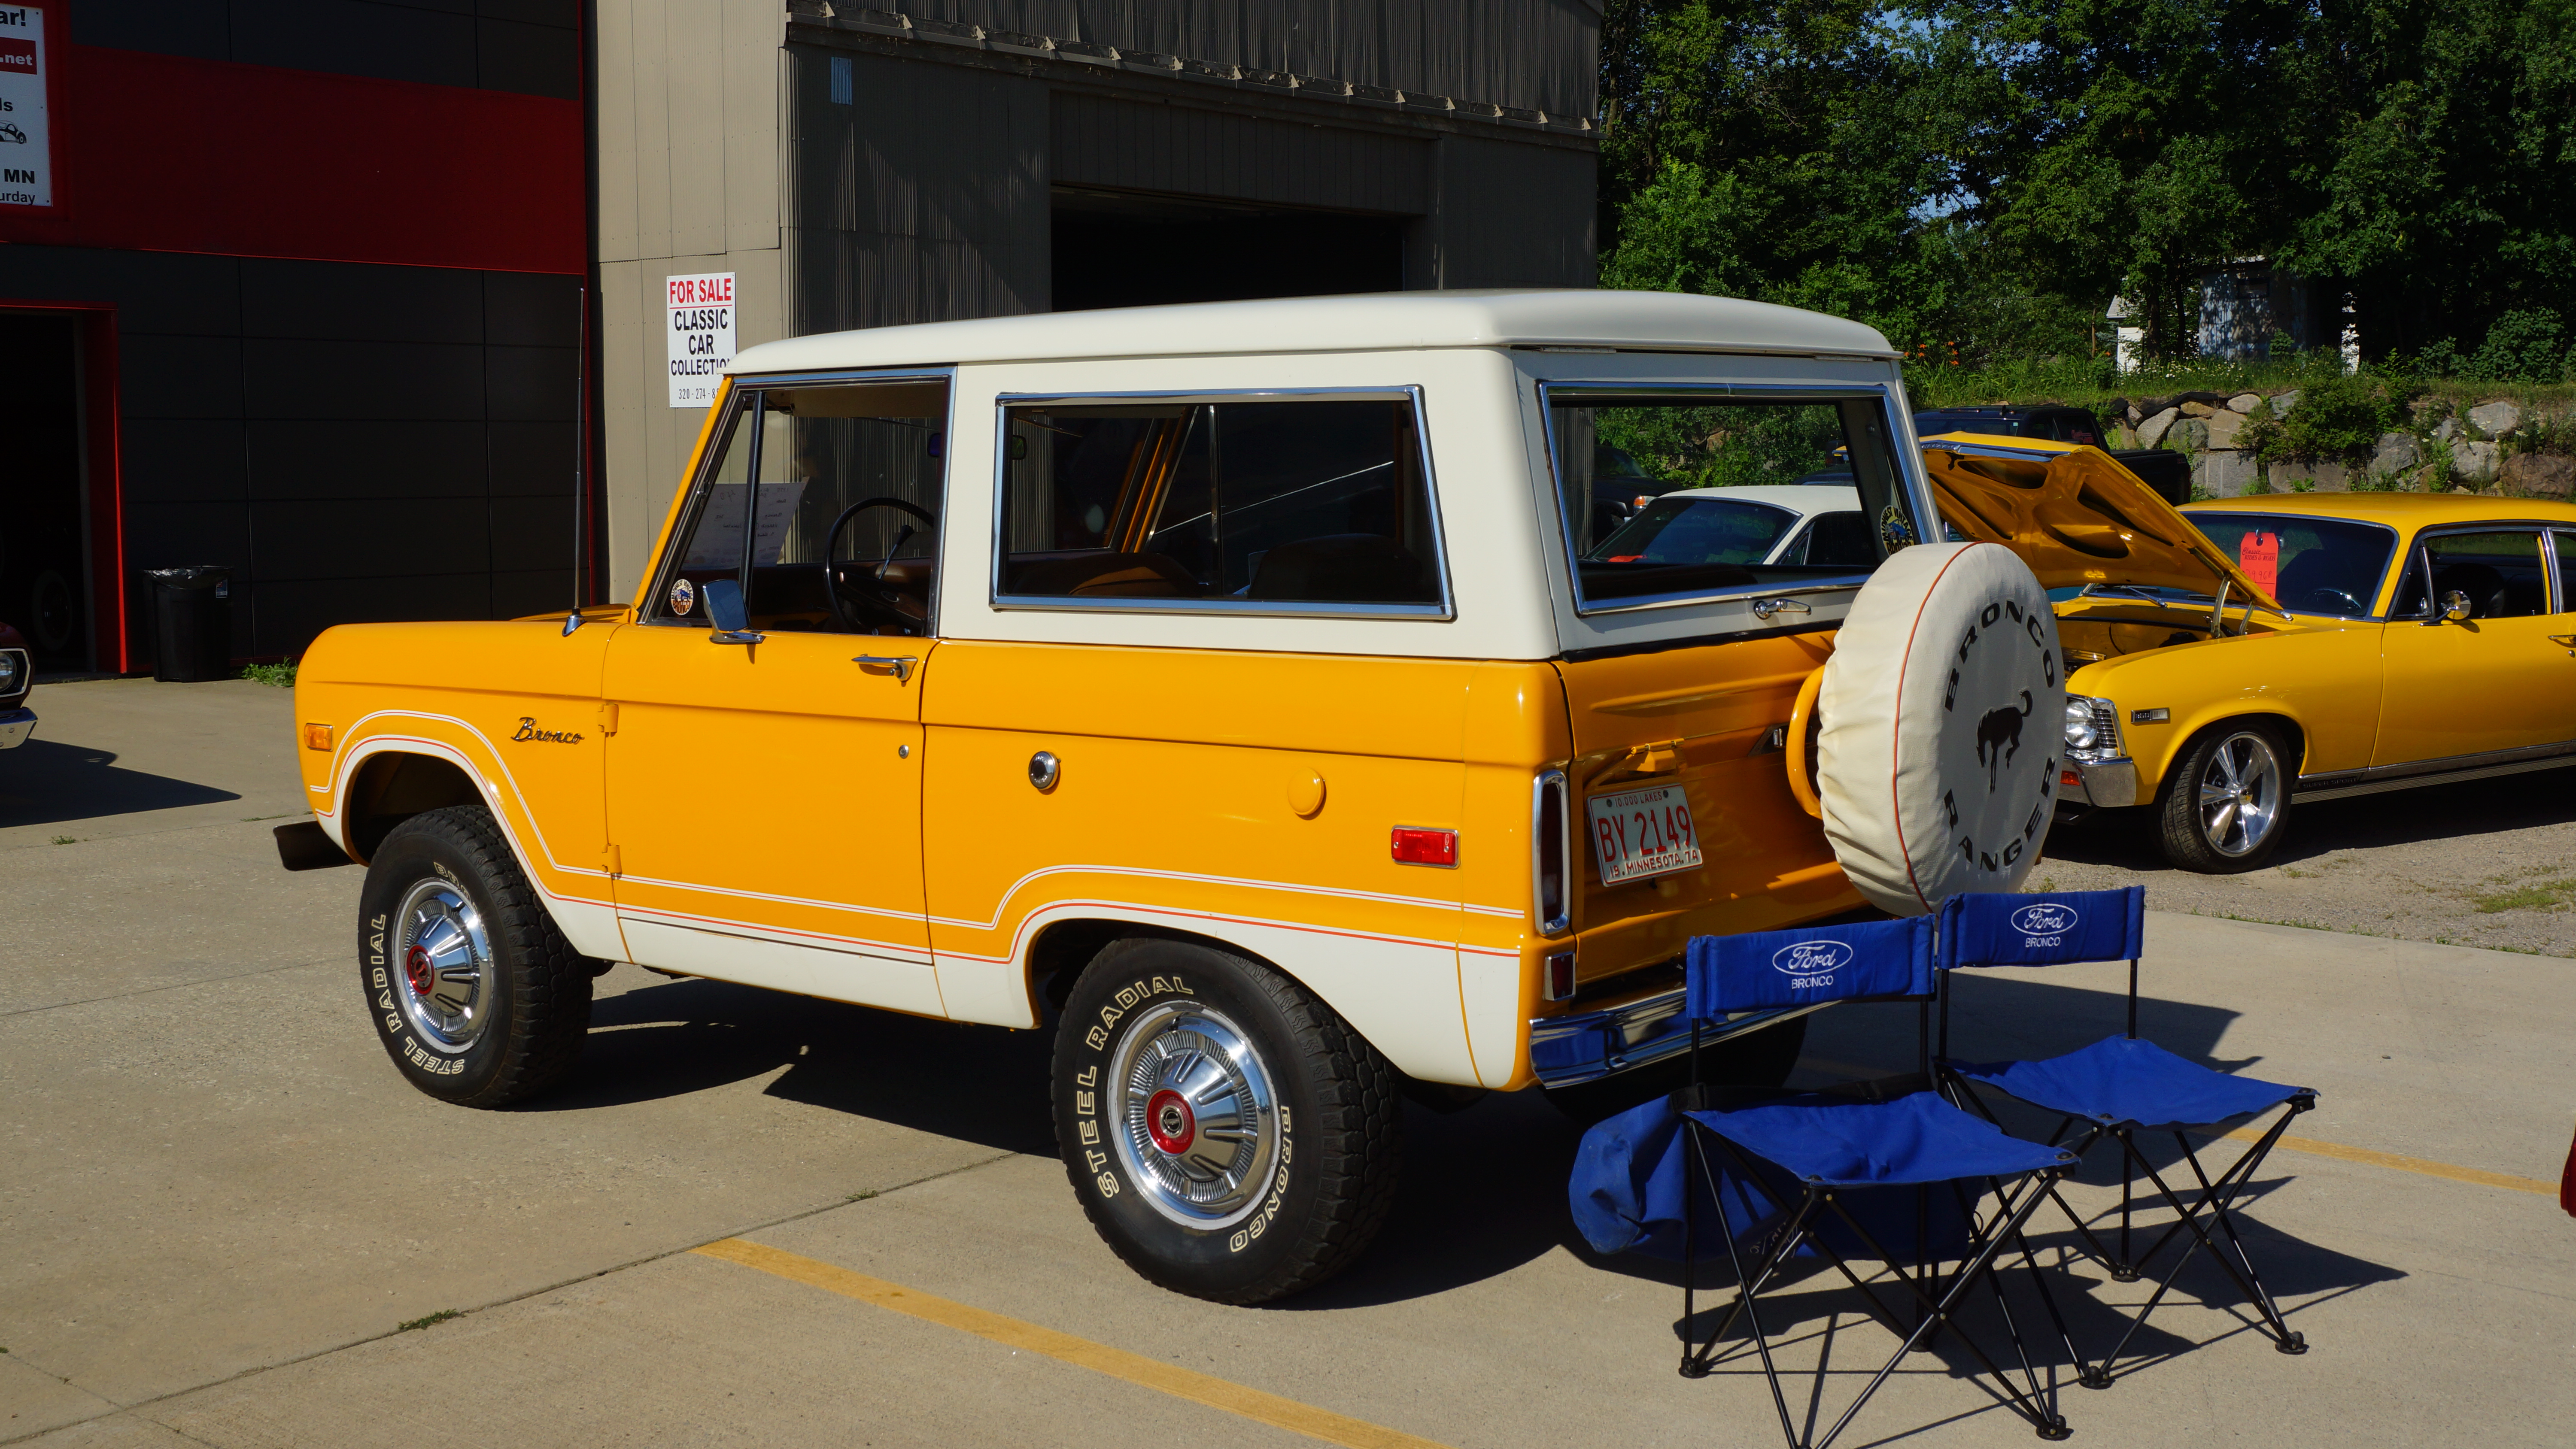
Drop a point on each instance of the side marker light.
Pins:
(1423, 847)
(2150, 716)
(317, 737)
(1559, 983)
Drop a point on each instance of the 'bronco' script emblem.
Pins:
(528, 731)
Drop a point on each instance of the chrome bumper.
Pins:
(2107, 784)
(1565, 1050)
(15, 726)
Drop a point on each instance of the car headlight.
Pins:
(2092, 728)
(13, 671)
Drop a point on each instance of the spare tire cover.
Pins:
(1941, 718)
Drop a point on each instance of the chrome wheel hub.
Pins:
(446, 959)
(2240, 795)
(1197, 1120)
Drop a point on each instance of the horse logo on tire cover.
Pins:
(1999, 738)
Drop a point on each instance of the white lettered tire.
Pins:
(1942, 719)
(1229, 1135)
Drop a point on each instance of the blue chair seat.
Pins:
(2129, 1083)
(1916, 1138)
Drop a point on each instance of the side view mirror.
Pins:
(2455, 607)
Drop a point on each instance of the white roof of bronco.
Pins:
(1383, 321)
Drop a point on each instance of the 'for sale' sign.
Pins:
(701, 334)
(26, 147)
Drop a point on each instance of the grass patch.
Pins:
(280, 675)
(65, 840)
(441, 1316)
(249, 818)
(2533, 895)
(863, 1196)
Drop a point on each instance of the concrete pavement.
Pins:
(218, 1201)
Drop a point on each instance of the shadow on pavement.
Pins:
(979, 1084)
(2126, 838)
(47, 782)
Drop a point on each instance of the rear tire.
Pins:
(1228, 1134)
(1759, 1059)
(2225, 803)
(476, 995)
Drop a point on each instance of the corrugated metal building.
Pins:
(853, 167)
(301, 295)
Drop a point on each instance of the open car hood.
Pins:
(2076, 517)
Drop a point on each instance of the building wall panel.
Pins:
(1187, 150)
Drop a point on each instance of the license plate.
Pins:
(1642, 833)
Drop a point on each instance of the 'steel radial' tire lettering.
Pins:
(1229, 1135)
(1942, 730)
(476, 995)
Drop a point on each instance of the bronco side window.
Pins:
(1723, 494)
(841, 532)
(1257, 505)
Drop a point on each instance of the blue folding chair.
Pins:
(1877, 1170)
(2116, 1088)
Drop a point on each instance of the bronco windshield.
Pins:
(2312, 565)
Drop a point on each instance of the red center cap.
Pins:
(1169, 1122)
(416, 970)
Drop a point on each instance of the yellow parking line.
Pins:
(2398, 1162)
(1180, 1383)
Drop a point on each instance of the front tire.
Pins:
(2225, 805)
(477, 997)
(1228, 1134)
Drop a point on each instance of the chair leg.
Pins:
(2011, 1216)
(2215, 1198)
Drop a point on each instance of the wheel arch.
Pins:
(390, 786)
(2295, 736)
(1420, 1031)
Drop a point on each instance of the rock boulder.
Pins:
(2474, 463)
(2197, 410)
(2395, 454)
(2244, 402)
(2151, 433)
(2282, 402)
(2223, 428)
(2495, 419)
(2538, 475)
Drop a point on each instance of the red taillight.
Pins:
(2070, 780)
(1423, 847)
(1550, 848)
(1559, 985)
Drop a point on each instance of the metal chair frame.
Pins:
(2216, 1197)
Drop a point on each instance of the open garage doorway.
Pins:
(1123, 249)
(44, 579)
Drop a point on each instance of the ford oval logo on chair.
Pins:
(2045, 919)
(1811, 958)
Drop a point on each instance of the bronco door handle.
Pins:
(1763, 609)
(899, 666)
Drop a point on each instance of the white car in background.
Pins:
(1808, 522)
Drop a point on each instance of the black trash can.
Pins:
(192, 622)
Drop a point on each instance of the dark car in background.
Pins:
(2168, 473)
(17, 676)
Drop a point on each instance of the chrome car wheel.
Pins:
(2240, 794)
(445, 956)
(1196, 1116)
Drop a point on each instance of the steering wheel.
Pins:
(2353, 608)
(874, 605)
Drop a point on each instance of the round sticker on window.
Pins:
(684, 597)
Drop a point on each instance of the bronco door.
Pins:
(764, 771)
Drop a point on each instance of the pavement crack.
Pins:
(140, 1405)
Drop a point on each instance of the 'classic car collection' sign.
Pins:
(26, 142)
(701, 333)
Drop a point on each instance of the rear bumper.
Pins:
(1591, 1045)
(2104, 784)
(15, 726)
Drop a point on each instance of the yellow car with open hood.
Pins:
(1238, 693)
(2252, 654)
